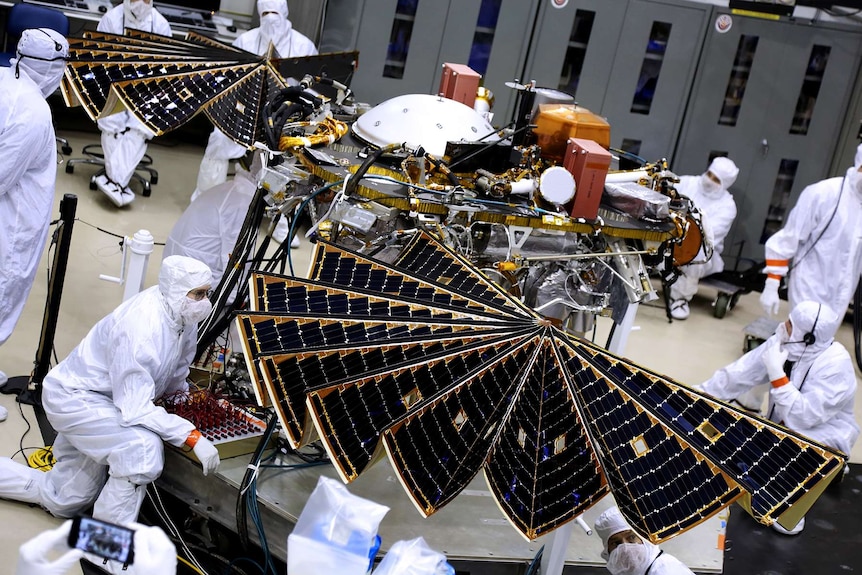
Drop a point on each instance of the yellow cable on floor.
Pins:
(41, 459)
(189, 565)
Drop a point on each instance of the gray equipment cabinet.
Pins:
(403, 44)
(772, 96)
(629, 61)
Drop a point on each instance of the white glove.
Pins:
(154, 552)
(769, 296)
(773, 358)
(207, 454)
(33, 556)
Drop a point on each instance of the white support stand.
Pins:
(554, 555)
(140, 246)
(620, 338)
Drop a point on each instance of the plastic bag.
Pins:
(336, 532)
(413, 557)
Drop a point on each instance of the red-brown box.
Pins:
(588, 162)
(460, 83)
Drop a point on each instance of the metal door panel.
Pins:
(370, 84)
(655, 125)
(510, 47)
(550, 43)
(761, 138)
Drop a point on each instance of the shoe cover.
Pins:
(279, 234)
(4, 379)
(120, 501)
(123, 152)
(119, 197)
(679, 309)
(19, 482)
(4, 413)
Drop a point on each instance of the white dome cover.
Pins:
(422, 120)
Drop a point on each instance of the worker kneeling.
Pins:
(100, 400)
(813, 383)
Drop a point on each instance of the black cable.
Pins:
(857, 324)
(795, 261)
(366, 164)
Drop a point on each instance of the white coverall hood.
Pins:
(609, 523)
(725, 170)
(41, 55)
(136, 12)
(178, 276)
(815, 318)
(274, 24)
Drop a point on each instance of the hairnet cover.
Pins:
(725, 169)
(41, 54)
(610, 522)
(279, 6)
(178, 276)
(811, 314)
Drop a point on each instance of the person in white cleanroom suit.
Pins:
(124, 137)
(28, 168)
(819, 249)
(816, 398)
(628, 554)
(275, 29)
(154, 553)
(100, 400)
(820, 245)
(207, 230)
(709, 194)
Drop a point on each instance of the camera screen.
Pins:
(105, 540)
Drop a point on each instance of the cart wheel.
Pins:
(154, 179)
(721, 305)
(66, 150)
(734, 299)
(93, 185)
(70, 168)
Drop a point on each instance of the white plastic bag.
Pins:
(413, 557)
(336, 532)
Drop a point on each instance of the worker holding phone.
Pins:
(155, 551)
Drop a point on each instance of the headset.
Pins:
(809, 338)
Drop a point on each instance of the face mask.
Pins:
(140, 9)
(46, 73)
(630, 558)
(272, 27)
(194, 312)
(708, 186)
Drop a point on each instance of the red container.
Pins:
(460, 83)
(588, 162)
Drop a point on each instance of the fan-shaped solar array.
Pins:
(164, 82)
(428, 362)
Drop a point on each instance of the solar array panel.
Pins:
(425, 361)
(164, 82)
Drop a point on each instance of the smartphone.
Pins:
(104, 539)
